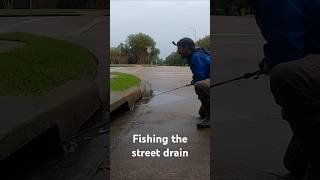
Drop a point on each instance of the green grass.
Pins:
(123, 81)
(122, 65)
(132, 65)
(37, 12)
(43, 64)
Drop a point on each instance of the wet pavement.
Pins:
(249, 136)
(164, 115)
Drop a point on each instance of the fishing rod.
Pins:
(167, 91)
(164, 92)
(245, 76)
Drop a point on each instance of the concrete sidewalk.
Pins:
(165, 115)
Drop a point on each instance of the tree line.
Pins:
(232, 7)
(135, 50)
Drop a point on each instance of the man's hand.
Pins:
(264, 67)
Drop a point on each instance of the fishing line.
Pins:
(255, 74)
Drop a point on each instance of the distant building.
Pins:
(73, 4)
(119, 59)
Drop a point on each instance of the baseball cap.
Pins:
(185, 42)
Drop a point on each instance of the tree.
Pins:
(204, 43)
(161, 62)
(136, 46)
(6, 4)
(174, 59)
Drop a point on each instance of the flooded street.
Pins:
(174, 113)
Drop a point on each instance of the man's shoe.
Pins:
(202, 112)
(204, 123)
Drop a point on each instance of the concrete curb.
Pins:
(130, 96)
(65, 108)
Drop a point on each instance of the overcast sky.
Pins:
(163, 20)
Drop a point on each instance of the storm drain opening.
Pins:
(120, 110)
(40, 153)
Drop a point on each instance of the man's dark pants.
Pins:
(296, 88)
(202, 89)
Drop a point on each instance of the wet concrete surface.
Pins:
(249, 136)
(164, 115)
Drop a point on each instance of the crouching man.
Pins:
(199, 61)
(292, 59)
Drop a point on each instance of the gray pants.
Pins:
(296, 88)
(202, 89)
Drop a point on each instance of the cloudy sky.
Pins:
(163, 20)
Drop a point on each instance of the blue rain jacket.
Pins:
(290, 27)
(199, 62)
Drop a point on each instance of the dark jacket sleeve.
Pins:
(283, 25)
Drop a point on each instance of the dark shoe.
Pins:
(204, 123)
(202, 112)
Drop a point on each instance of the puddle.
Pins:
(165, 99)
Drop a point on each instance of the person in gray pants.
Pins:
(199, 61)
(202, 89)
(296, 88)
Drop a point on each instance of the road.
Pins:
(165, 115)
(249, 136)
(89, 160)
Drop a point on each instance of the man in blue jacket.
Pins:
(292, 31)
(199, 61)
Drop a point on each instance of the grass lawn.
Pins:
(37, 12)
(122, 65)
(132, 65)
(123, 81)
(43, 64)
